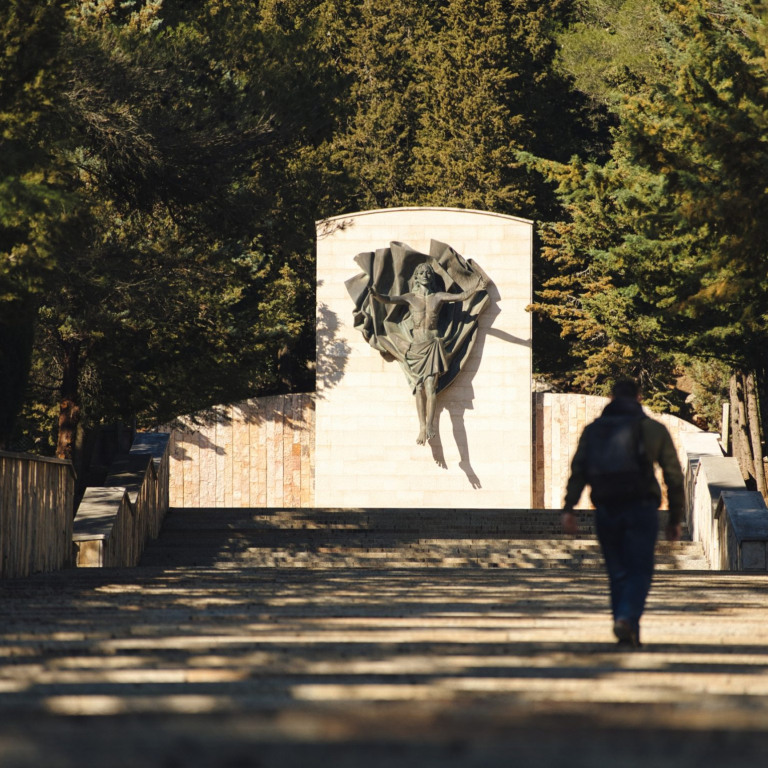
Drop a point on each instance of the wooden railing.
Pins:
(113, 523)
(36, 507)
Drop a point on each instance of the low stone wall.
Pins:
(258, 453)
(708, 474)
(113, 523)
(730, 522)
(742, 523)
(36, 508)
(558, 421)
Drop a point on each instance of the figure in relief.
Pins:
(430, 340)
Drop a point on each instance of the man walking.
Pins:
(615, 456)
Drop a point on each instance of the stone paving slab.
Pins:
(196, 667)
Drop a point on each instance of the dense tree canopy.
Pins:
(172, 158)
(162, 164)
(34, 203)
(661, 263)
(442, 96)
(170, 175)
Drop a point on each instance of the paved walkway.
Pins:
(197, 666)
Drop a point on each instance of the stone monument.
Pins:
(462, 341)
(430, 343)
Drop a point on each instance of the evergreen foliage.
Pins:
(180, 275)
(33, 201)
(444, 94)
(662, 259)
(164, 163)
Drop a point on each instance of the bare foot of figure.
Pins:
(422, 438)
(430, 432)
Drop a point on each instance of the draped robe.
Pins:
(389, 328)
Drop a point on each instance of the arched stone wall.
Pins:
(366, 454)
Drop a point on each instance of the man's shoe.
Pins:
(625, 634)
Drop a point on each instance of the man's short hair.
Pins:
(627, 388)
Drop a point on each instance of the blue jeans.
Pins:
(627, 533)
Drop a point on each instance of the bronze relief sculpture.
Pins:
(421, 311)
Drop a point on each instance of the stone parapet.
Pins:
(36, 507)
(256, 453)
(113, 523)
(729, 521)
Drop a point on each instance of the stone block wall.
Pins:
(367, 425)
(258, 453)
(558, 421)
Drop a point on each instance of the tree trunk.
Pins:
(69, 404)
(739, 436)
(725, 427)
(755, 433)
(734, 442)
(17, 333)
(761, 382)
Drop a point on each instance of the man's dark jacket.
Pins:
(659, 449)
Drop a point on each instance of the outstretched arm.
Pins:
(384, 299)
(481, 285)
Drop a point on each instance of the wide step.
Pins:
(387, 539)
(396, 520)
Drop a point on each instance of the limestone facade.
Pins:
(366, 451)
(558, 421)
(257, 453)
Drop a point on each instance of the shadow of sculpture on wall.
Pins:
(457, 408)
(428, 321)
(212, 429)
(332, 352)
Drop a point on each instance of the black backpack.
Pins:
(618, 469)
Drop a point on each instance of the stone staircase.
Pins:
(383, 638)
(388, 538)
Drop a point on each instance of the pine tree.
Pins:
(181, 279)
(443, 94)
(33, 202)
(376, 44)
(664, 254)
(489, 90)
